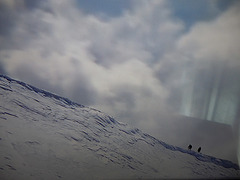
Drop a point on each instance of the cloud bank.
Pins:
(130, 65)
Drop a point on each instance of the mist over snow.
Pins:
(136, 60)
(45, 136)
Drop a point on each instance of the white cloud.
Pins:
(205, 44)
(215, 40)
(111, 55)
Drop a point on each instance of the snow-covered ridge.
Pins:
(36, 124)
(37, 90)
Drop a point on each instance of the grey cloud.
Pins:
(21, 23)
(123, 101)
(29, 4)
(2, 71)
(8, 19)
(122, 95)
(28, 73)
(79, 91)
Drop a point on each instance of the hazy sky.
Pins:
(124, 57)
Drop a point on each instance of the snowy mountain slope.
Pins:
(45, 136)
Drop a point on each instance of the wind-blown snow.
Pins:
(45, 136)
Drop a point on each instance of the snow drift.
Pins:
(45, 136)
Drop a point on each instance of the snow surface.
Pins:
(45, 136)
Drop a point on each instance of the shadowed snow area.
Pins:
(45, 136)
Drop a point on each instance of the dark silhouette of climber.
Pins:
(199, 149)
(189, 146)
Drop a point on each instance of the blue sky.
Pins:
(198, 10)
(186, 10)
(130, 59)
(107, 7)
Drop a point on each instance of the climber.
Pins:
(199, 149)
(190, 147)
